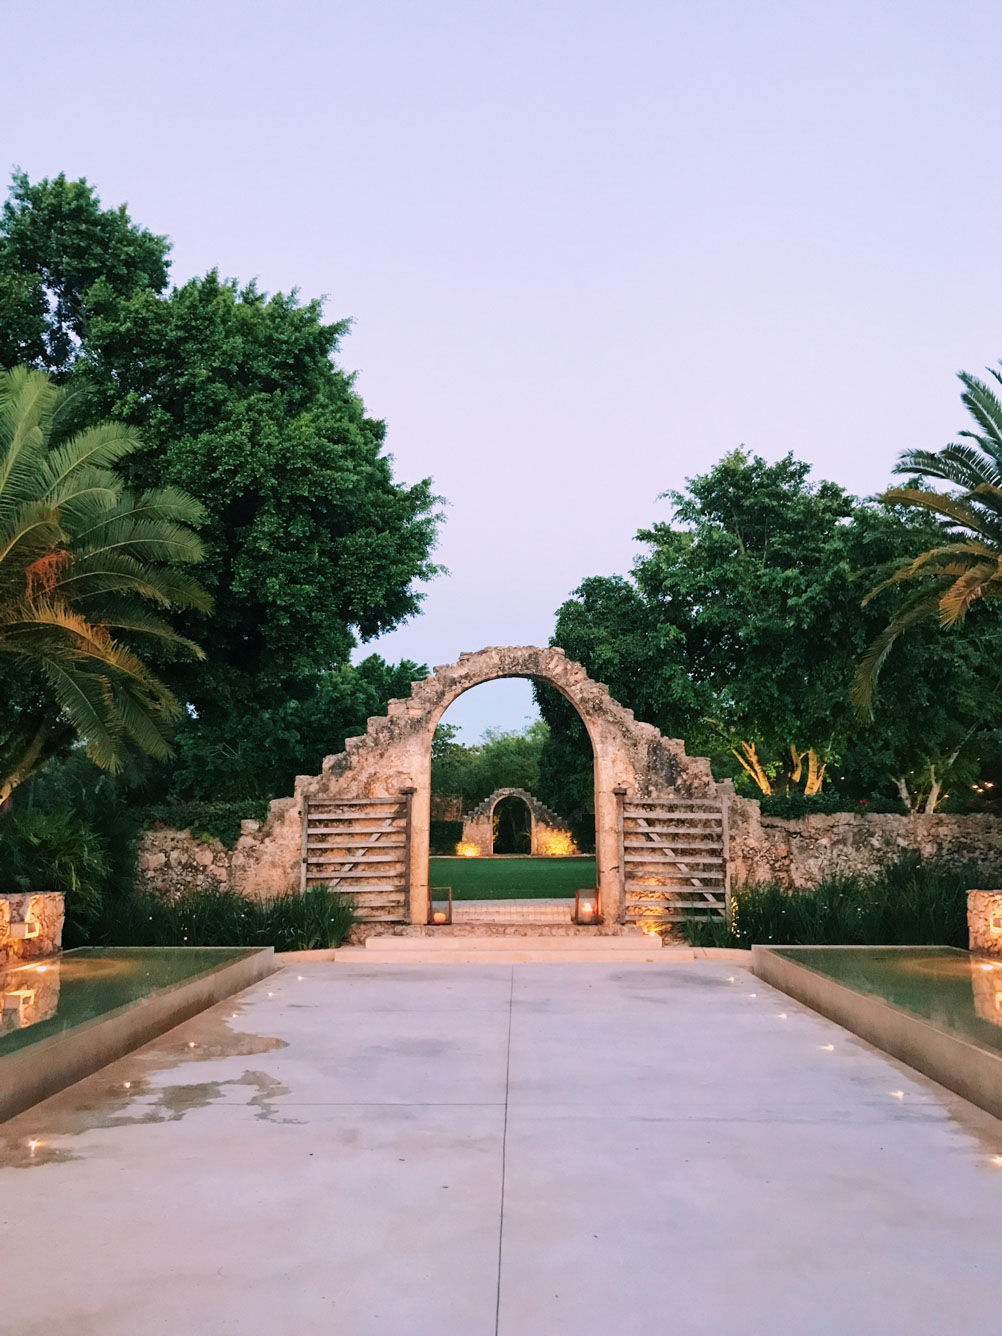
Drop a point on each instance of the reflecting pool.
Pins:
(946, 987)
(48, 997)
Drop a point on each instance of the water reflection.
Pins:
(945, 986)
(986, 982)
(28, 995)
(49, 997)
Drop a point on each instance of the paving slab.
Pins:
(502, 1150)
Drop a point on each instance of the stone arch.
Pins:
(478, 825)
(394, 754)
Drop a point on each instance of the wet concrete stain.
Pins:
(110, 1098)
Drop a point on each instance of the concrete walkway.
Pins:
(530, 1150)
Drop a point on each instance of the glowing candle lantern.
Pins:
(440, 905)
(587, 910)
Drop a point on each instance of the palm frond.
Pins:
(868, 670)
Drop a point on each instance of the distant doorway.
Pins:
(512, 827)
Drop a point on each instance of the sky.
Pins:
(588, 248)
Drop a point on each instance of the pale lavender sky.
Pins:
(588, 247)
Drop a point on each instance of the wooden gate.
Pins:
(361, 847)
(674, 860)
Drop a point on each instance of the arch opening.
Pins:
(511, 826)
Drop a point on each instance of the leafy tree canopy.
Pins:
(311, 543)
(501, 760)
(741, 627)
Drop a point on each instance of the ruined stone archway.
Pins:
(478, 825)
(394, 756)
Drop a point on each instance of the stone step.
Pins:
(402, 947)
(501, 911)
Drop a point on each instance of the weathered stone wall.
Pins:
(26, 911)
(797, 853)
(171, 861)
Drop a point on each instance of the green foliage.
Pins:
(794, 805)
(963, 564)
(56, 244)
(740, 631)
(311, 543)
(445, 835)
(502, 760)
(292, 922)
(55, 851)
(81, 559)
(289, 734)
(911, 903)
(214, 821)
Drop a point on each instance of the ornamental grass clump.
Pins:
(289, 922)
(911, 903)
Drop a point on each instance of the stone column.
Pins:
(984, 922)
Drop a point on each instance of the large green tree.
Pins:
(740, 629)
(500, 760)
(312, 545)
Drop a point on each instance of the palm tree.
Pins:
(967, 565)
(82, 560)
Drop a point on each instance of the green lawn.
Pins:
(512, 878)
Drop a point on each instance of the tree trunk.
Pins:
(752, 765)
(901, 784)
(815, 773)
(28, 763)
(798, 763)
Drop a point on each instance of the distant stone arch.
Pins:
(394, 757)
(548, 833)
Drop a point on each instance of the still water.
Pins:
(48, 997)
(949, 988)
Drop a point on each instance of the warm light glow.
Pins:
(897, 1094)
(556, 844)
(782, 1015)
(467, 849)
(997, 1160)
(731, 979)
(191, 1043)
(41, 968)
(827, 1048)
(33, 1146)
(127, 1084)
(439, 916)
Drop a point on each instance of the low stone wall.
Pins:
(40, 914)
(170, 861)
(798, 853)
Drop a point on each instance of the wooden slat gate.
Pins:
(674, 857)
(360, 847)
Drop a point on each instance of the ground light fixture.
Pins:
(440, 905)
(587, 907)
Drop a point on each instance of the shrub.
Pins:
(794, 805)
(55, 851)
(290, 922)
(209, 821)
(445, 835)
(911, 903)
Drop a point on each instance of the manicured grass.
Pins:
(512, 878)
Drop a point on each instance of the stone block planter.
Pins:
(31, 926)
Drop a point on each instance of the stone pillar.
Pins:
(31, 926)
(984, 922)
